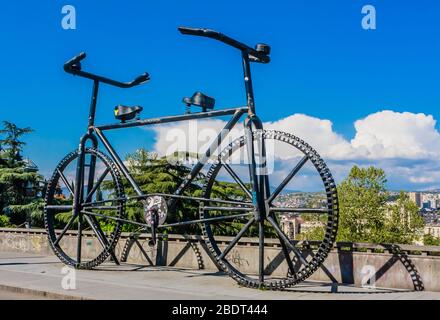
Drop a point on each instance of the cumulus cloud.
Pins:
(389, 134)
(406, 145)
(316, 132)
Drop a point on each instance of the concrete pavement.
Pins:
(40, 276)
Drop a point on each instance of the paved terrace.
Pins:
(406, 267)
(41, 276)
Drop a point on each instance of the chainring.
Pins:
(155, 205)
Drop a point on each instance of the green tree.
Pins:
(404, 223)
(12, 142)
(430, 240)
(365, 215)
(18, 183)
(362, 203)
(156, 174)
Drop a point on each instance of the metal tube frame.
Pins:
(259, 183)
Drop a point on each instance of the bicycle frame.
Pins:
(257, 211)
(260, 183)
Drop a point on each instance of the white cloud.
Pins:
(381, 135)
(389, 134)
(316, 132)
(406, 145)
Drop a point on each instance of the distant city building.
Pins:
(290, 224)
(29, 165)
(433, 229)
(426, 205)
(416, 197)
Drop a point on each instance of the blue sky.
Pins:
(324, 65)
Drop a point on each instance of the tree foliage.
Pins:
(365, 215)
(403, 224)
(430, 240)
(14, 146)
(156, 174)
(18, 185)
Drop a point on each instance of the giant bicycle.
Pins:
(237, 196)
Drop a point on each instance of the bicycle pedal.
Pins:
(152, 243)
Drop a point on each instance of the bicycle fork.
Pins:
(259, 181)
(78, 197)
(257, 169)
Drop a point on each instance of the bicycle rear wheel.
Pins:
(301, 223)
(71, 235)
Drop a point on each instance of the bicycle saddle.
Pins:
(125, 113)
(201, 100)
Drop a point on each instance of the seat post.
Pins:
(93, 103)
(248, 82)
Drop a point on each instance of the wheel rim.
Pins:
(296, 258)
(71, 235)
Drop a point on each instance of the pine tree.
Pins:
(12, 142)
(19, 185)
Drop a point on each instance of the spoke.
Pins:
(65, 181)
(89, 213)
(63, 232)
(207, 220)
(238, 203)
(92, 171)
(79, 244)
(287, 179)
(232, 209)
(287, 256)
(91, 204)
(59, 207)
(98, 183)
(299, 210)
(285, 251)
(286, 240)
(101, 236)
(237, 179)
(237, 238)
(221, 218)
(102, 208)
(261, 251)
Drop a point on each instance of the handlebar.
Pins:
(74, 61)
(254, 55)
(73, 66)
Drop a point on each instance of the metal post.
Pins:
(248, 83)
(93, 103)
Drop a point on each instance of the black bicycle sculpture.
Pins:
(251, 211)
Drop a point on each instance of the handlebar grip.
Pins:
(203, 32)
(141, 79)
(68, 65)
(194, 31)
